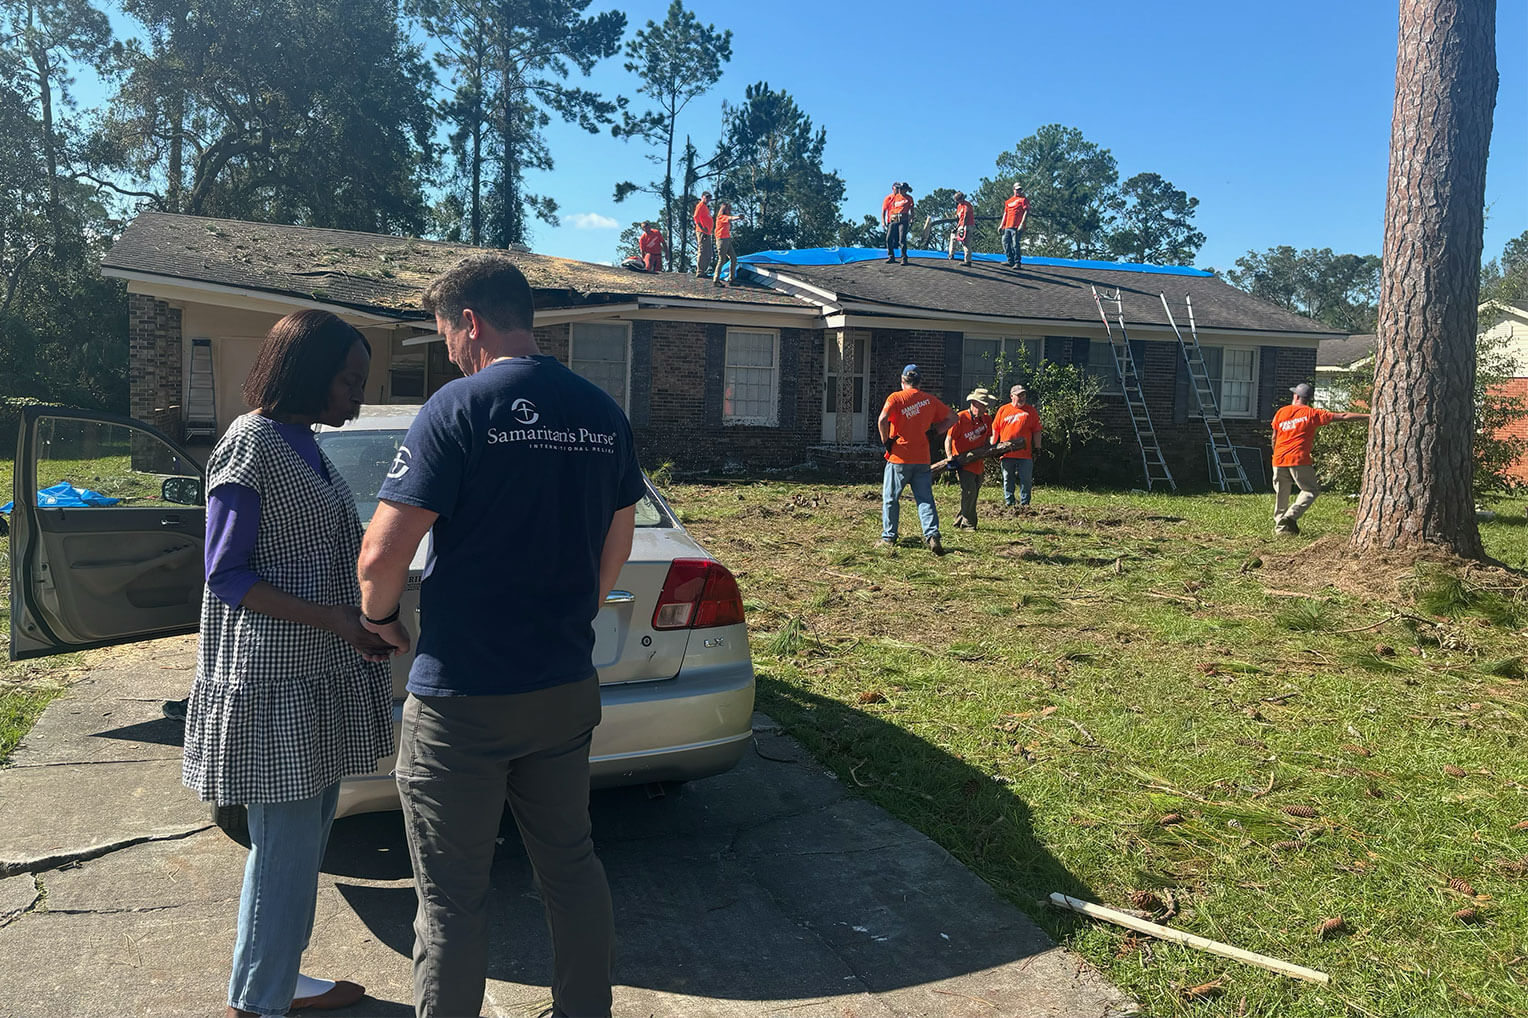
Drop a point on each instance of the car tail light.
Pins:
(698, 594)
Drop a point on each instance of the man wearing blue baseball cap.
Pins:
(905, 421)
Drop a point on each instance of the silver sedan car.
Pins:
(108, 534)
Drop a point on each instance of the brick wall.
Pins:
(155, 389)
(1517, 387)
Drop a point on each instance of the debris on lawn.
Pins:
(1462, 885)
(1331, 927)
(1455, 772)
(1204, 991)
(1470, 916)
(1304, 812)
(1161, 932)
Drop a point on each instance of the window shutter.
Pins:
(790, 356)
(1183, 398)
(954, 363)
(1267, 388)
(640, 411)
(715, 366)
(1080, 352)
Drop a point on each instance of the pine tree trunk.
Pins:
(1416, 488)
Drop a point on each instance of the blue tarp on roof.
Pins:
(848, 255)
(65, 495)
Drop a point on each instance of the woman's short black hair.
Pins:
(298, 361)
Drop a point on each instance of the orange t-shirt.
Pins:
(651, 242)
(963, 214)
(724, 226)
(1011, 422)
(971, 432)
(1013, 212)
(896, 206)
(702, 217)
(1294, 433)
(910, 413)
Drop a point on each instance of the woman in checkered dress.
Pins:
(291, 693)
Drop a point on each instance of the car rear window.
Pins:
(364, 455)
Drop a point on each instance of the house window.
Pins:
(600, 352)
(1233, 375)
(978, 364)
(1102, 367)
(751, 378)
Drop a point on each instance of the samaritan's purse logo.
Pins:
(400, 463)
(525, 411)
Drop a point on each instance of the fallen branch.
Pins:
(1173, 597)
(1365, 629)
(1167, 933)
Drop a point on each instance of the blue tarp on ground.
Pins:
(65, 495)
(848, 255)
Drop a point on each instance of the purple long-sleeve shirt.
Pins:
(233, 521)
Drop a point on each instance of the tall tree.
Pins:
(1417, 472)
(1341, 290)
(677, 62)
(1155, 223)
(772, 174)
(530, 48)
(40, 41)
(1506, 279)
(1072, 185)
(287, 111)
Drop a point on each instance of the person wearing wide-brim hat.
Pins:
(972, 430)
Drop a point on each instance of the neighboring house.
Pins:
(1503, 329)
(791, 365)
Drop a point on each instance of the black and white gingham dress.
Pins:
(279, 710)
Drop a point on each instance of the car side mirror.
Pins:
(182, 490)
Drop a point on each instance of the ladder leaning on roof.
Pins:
(1225, 468)
(1135, 400)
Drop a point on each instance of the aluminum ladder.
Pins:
(1152, 461)
(1225, 467)
(201, 397)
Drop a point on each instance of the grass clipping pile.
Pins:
(1382, 575)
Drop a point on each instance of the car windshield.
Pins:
(364, 455)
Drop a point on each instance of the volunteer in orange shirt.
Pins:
(1294, 434)
(972, 430)
(905, 421)
(897, 217)
(651, 246)
(724, 251)
(965, 226)
(1015, 211)
(705, 227)
(1017, 420)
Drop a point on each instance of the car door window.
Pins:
(109, 466)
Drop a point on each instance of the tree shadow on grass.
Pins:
(773, 881)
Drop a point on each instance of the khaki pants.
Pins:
(1284, 478)
(705, 251)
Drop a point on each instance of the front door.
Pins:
(857, 369)
(107, 532)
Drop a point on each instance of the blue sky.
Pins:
(1275, 116)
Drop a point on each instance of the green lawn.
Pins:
(1127, 694)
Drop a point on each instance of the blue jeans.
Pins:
(1021, 470)
(1011, 241)
(908, 475)
(287, 842)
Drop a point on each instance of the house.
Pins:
(789, 365)
(1336, 362)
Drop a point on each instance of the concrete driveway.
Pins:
(766, 891)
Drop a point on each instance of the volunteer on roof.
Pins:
(905, 421)
(972, 430)
(897, 217)
(724, 250)
(1015, 211)
(705, 246)
(1017, 421)
(1294, 434)
(651, 244)
(965, 227)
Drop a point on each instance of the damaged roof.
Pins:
(1049, 290)
(375, 272)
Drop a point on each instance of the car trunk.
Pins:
(623, 624)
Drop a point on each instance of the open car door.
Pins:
(107, 531)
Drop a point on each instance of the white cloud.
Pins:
(591, 221)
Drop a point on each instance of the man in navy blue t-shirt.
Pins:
(527, 478)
